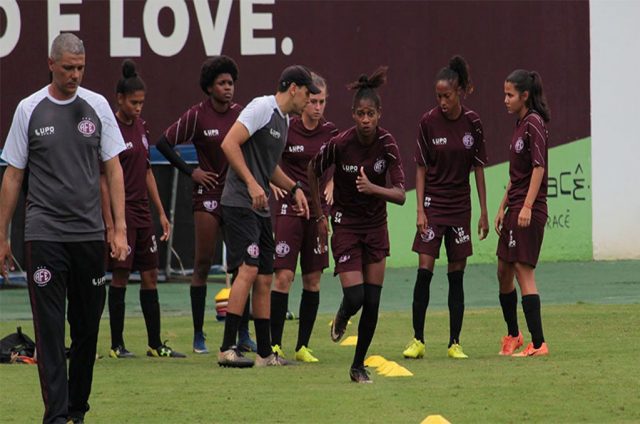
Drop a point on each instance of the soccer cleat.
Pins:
(233, 358)
(273, 360)
(359, 375)
(120, 352)
(199, 345)
(455, 352)
(414, 350)
(278, 350)
(532, 351)
(304, 355)
(510, 344)
(164, 351)
(245, 344)
(339, 325)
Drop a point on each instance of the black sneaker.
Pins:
(120, 352)
(164, 351)
(359, 375)
(339, 325)
(233, 358)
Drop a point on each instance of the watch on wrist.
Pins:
(295, 188)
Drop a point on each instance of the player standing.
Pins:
(140, 185)
(364, 156)
(295, 235)
(522, 214)
(450, 145)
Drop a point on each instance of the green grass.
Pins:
(592, 375)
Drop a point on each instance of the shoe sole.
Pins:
(235, 365)
(413, 357)
(201, 351)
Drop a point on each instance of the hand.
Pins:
(302, 206)
(323, 234)
(6, 259)
(109, 234)
(119, 247)
(499, 221)
(524, 217)
(258, 196)
(207, 179)
(328, 192)
(363, 184)
(483, 226)
(422, 223)
(166, 227)
(277, 191)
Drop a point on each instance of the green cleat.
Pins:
(455, 352)
(278, 350)
(414, 350)
(304, 355)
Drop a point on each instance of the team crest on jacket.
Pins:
(428, 236)
(210, 205)
(282, 249)
(380, 166)
(42, 276)
(86, 127)
(519, 145)
(253, 250)
(468, 140)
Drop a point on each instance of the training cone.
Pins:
(387, 367)
(350, 341)
(399, 371)
(222, 300)
(374, 361)
(435, 419)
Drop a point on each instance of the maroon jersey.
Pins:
(449, 150)
(205, 127)
(135, 163)
(352, 209)
(302, 146)
(527, 150)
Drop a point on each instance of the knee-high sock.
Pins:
(308, 312)
(243, 328)
(263, 339)
(509, 304)
(531, 308)
(151, 313)
(456, 305)
(198, 302)
(352, 300)
(116, 314)
(368, 322)
(279, 304)
(421, 301)
(231, 324)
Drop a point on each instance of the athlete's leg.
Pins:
(373, 277)
(421, 294)
(279, 304)
(207, 227)
(456, 299)
(309, 303)
(261, 303)
(240, 288)
(508, 296)
(530, 301)
(151, 306)
(117, 292)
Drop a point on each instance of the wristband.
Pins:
(295, 188)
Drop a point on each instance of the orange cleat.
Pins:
(532, 351)
(510, 344)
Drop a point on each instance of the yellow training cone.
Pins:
(387, 367)
(350, 341)
(399, 371)
(374, 361)
(223, 294)
(435, 419)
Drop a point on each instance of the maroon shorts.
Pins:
(353, 250)
(207, 203)
(457, 241)
(295, 235)
(142, 253)
(518, 244)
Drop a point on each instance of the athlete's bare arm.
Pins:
(11, 183)
(115, 181)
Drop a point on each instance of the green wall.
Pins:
(568, 231)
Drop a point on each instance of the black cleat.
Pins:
(359, 375)
(339, 325)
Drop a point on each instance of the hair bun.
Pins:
(129, 69)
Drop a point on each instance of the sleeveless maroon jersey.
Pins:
(135, 163)
(352, 209)
(449, 149)
(203, 126)
(302, 146)
(527, 150)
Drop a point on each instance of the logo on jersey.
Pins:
(468, 140)
(380, 166)
(337, 217)
(512, 241)
(41, 132)
(145, 142)
(282, 249)
(210, 205)
(86, 127)
(253, 250)
(154, 245)
(128, 145)
(99, 281)
(461, 236)
(440, 141)
(128, 250)
(295, 149)
(428, 235)
(519, 145)
(344, 258)
(211, 133)
(42, 276)
(274, 133)
(351, 169)
(283, 209)
(427, 201)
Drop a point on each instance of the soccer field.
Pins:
(591, 316)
